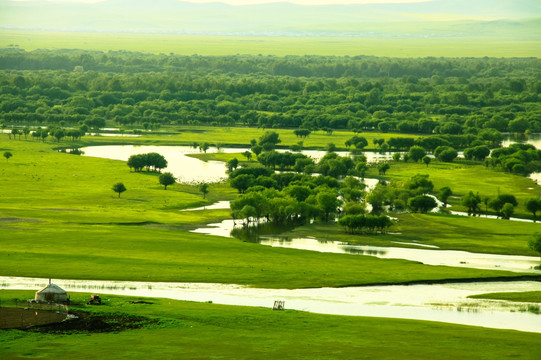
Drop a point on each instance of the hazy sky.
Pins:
(251, 2)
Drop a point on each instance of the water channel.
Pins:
(445, 303)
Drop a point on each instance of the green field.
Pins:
(528, 296)
(186, 330)
(279, 46)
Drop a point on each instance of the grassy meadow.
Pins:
(187, 330)
(279, 46)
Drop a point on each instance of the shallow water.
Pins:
(426, 256)
(445, 302)
(191, 170)
(186, 169)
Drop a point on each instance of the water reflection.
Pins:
(425, 255)
(441, 302)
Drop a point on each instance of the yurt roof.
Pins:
(52, 289)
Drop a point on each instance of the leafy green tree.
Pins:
(383, 167)
(167, 179)
(328, 203)
(507, 210)
(232, 164)
(444, 194)
(204, 189)
(242, 182)
(59, 134)
(416, 153)
(204, 147)
(257, 149)
(119, 188)
(445, 153)
(426, 160)
(269, 140)
(331, 147)
(248, 155)
(302, 133)
(422, 204)
(471, 201)
(7, 155)
(358, 141)
(533, 205)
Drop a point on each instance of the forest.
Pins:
(447, 96)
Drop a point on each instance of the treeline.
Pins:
(426, 96)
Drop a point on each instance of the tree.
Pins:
(535, 243)
(7, 155)
(358, 141)
(248, 155)
(444, 194)
(471, 201)
(232, 164)
(533, 206)
(422, 204)
(416, 153)
(302, 133)
(445, 153)
(204, 188)
(426, 160)
(382, 168)
(507, 210)
(328, 202)
(204, 147)
(167, 179)
(119, 188)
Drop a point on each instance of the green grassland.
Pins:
(59, 210)
(235, 136)
(527, 296)
(187, 330)
(279, 46)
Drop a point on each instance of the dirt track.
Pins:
(14, 318)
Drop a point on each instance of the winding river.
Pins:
(445, 303)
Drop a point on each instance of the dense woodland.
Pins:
(420, 96)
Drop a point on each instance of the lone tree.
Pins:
(533, 205)
(119, 188)
(7, 155)
(426, 160)
(167, 179)
(444, 194)
(204, 188)
(535, 243)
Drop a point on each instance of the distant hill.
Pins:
(498, 18)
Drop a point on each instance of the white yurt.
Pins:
(51, 294)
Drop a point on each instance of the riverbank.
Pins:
(186, 330)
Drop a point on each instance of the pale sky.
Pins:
(253, 2)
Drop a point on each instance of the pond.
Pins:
(186, 169)
(442, 302)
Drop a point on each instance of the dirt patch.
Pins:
(95, 323)
(16, 318)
